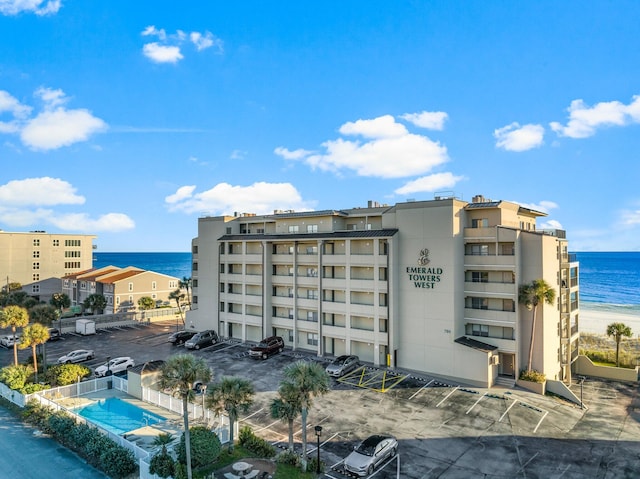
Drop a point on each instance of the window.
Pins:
(36, 277)
(312, 250)
(56, 242)
(294, 229)
(72, 242)
(480, 223)
(479, 303)
(312, 339)
(312, 228)
(479, 277)
(130, 286)
(508, 305)
(36, 254)
(36, 265)
(312, 294)
(290, 336)
(154, 296)
(312, 316)
(480, 330)
(479, 249)
(291, 314)
(153, 285)
(36, 242)
(312, 272)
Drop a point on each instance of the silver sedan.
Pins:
(76, 356)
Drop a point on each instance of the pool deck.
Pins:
(143, 437)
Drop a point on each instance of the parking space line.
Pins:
(251, 415)
(474, 404)
(447, 396)
(508, 409)
(418, 391)
(540, 422)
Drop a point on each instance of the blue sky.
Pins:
(129, 120)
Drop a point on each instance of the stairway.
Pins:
(505, 382)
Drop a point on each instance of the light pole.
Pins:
(318, 434)
(204, 393)
(582, 378)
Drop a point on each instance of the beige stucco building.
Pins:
(33, 258)
(428, 286)
(121, 287)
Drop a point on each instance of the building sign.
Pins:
(423, 275)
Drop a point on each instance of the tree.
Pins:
(178, 296)
(60, 301)
(146, 302)
(14, 317)
(233, 395)
(185, 284)
(95, 302)
(179, 372)
(33, 335)
(618, 331)
(43, 313)
(287, 407)
(162, 464)
(310, 380)
(531, 295)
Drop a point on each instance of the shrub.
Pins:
(38, 415)
(533, 376)
(288, 457)
(117, 461)
(205, 447)
(65, 374)
(15, 377)
(312, 464)
(162, 465)
(61, 426)
(31, 388)
(255, 444)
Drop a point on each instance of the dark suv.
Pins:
(267, 347)
(180, 337)
(202, 340)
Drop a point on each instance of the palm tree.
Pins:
(60, 301)
(95, 302)
(531, 295)
(287, 407)
(233, 395)
(179, 373)
(178, 296)
(14, 317)
(186, 284)
(310, 380)
(33, 335)
(618, 331)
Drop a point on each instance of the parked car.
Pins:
(179, 337)
(267, 347)
(54, 334)
(76, 356)
(115, 365)
(202, 339)
(343, 365)
(370, 453)
(10, 339)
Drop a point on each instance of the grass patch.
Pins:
(285, 471)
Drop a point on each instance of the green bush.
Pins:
(65, 374)
(162, 464)
(288, 457)
(36, 414)
(205, 447)
(15, 377)
(255, 444)
(117, 461)
(31, 388)
(533, 376)
(312, 465)
(627, 360)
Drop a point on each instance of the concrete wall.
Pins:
(584, 367)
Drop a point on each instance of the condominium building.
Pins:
(31, 258)
(426, 286)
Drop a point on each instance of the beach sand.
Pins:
(593, 321)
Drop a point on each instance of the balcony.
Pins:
(500, 261)
(508, 289)
(507, 318)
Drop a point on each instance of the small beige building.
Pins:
(427, 286)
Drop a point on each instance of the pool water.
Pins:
(118, 416)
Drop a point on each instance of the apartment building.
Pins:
(34, 258)
(428, 286)
(121, 287)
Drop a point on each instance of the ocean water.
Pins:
(608, 281)
(172, 264)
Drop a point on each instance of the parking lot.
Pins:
(444, 430)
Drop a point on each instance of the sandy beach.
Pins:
(595, 321)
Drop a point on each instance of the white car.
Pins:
(371, 453)
(116, 365)
(9, 340)
(76, 356)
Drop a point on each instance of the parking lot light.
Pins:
(318, 430)
(204, 393)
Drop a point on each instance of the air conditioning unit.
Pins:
(495, 360)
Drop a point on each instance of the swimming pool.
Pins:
(118, 416)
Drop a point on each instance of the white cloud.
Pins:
(11, 105)
(39, 191)
(39, 7)
(382, 127)
(291, 155)
(544, 206)
(111, 222)
(54, 129)
(631, 218)
(389, 151)
(168, 49)
(515, 137)
(432, 120)
(431, 183)
(584, 121)
(226, 199)
(162, 53)
(183, 193)
(551, 225)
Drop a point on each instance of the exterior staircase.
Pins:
(505, 382)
